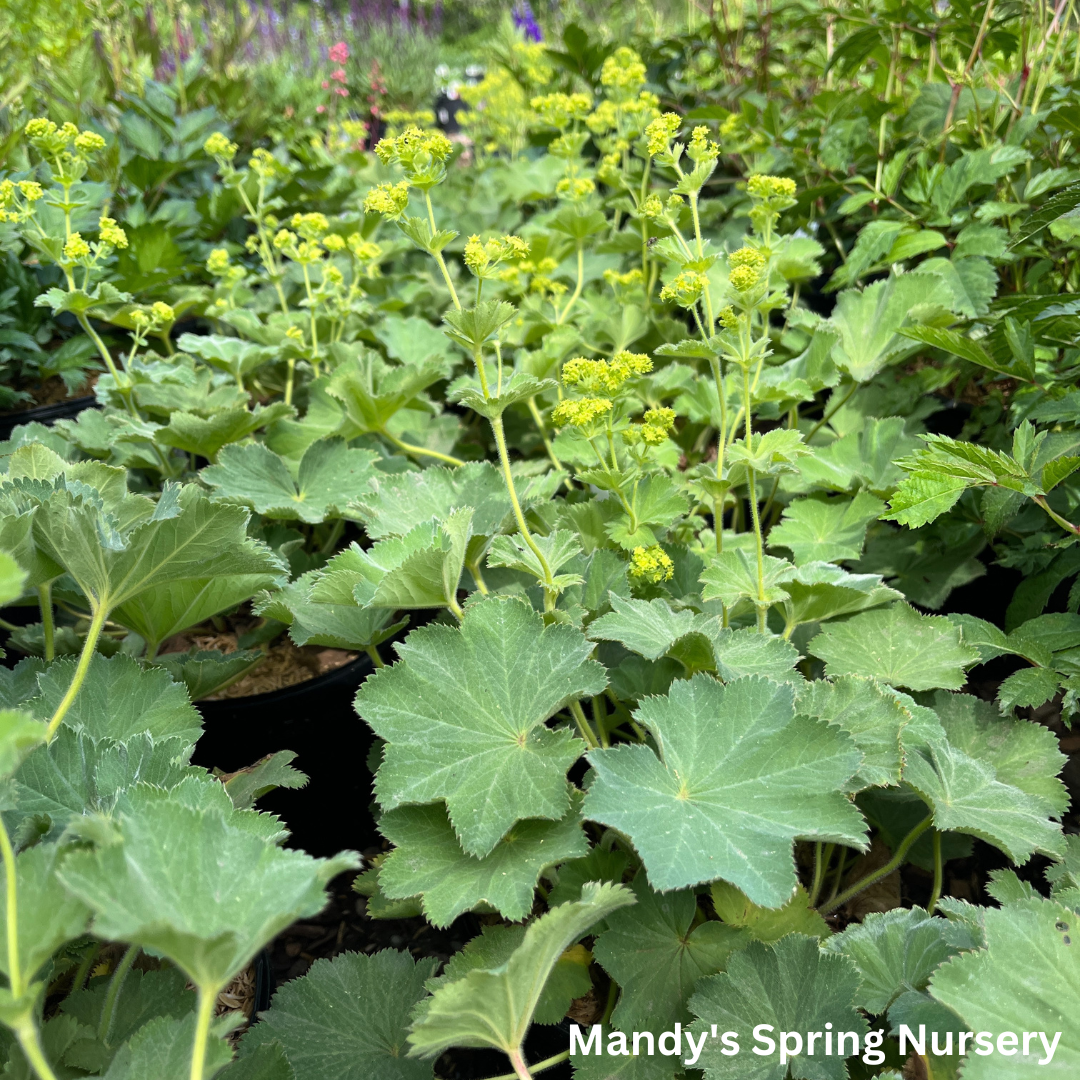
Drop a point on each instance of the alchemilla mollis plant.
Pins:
(651, 440)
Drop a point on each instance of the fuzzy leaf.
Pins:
(168, 882)
(203, 671)
(896, 952)
(1028, 963)
(746, 652)
(659, 504)
(463, 716)
(820, 591)
(520, 387)
(234, 355)
(647, 627)
(162, 1049)
(815, 530)
(767, 924)
(427, 860)
(652, 953)
(868, 321)
(732, 576)
(118, 698)
(872, 717)
(205, 436)
(330, 477)
(793, 986)
(738, 778)
(898, 646)
(496, 1007)
(347, 1018)
(395, 504)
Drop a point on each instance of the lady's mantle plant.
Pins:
(672, 725)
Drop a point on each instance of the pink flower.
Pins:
(341, 91)
(325, 85)
(320, 108)
(339, 53)
(338, 75)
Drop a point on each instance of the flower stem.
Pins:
(508, 476)
(540, 1066)
(116, 984)
(92, 635)
(894, 863)
(822, 855)
(517, 1059)
(207, 999)
(45, 603)
(376, 659)
(939, 873)
(11, 883)
(1040, 500)
(583, 725)
(27, 1034)
(577, 289)
(422, 451)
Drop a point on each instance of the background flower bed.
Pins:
(688, 439)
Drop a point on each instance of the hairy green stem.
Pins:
(92, 635)
(116, 984)
(30, 1042)
(517, 1059)
(540, 1066)
(15, 978)
(519, 517)
(822, 855)
(939, 873)
(78, 980)
(47, 625)
(893, 864)
(421, 451)
(207, 1000)
(577, 288)
(578, 714)
(373, 652)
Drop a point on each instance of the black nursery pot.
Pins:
(45, 414)
(316, 720)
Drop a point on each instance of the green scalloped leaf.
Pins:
(816, 530)
(899, 646)
(464, 717)
(737, 777)
(330, 476)
(347, 1018)
(428, 861)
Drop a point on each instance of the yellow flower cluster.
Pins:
(579, 413)
(728, 319)
(10, 209)
(575, 188)
(111, 233)
(661, 131)
(390, 200)
(656, 423)
(334, 242)
(701, 147)
(746, 265)
(684, 289)
(627, 280)
(76, 248)
(623, 71)
(159, 315)
(265, 166)
(414, 148)
(220, 147)
(364, 250)
(217, 263)
(605, 376)
(560, 110)
(763, 186)
(310, 226)
(482, 255)
(651, 564)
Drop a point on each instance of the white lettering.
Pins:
(908, 1036)
(576, 1041)
(983, 1046)
(675, 1040)
(695, 1051)
(1050, 1047)
(616, 1044)
(1007, 1039)
(730, 1043)
(787, 1051)
(761, 1037)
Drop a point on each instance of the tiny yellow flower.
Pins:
(651, 564)
(660, 132)
(763, 186)
(31, 190)
(39, 127)
(76, 248)
(334, 242)
(744, 278)
(217, 263)
(111, 233)
(684, 289)
(162, 312)
(579, 413)
(86, 142)
(390, 200)
(219, 146)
